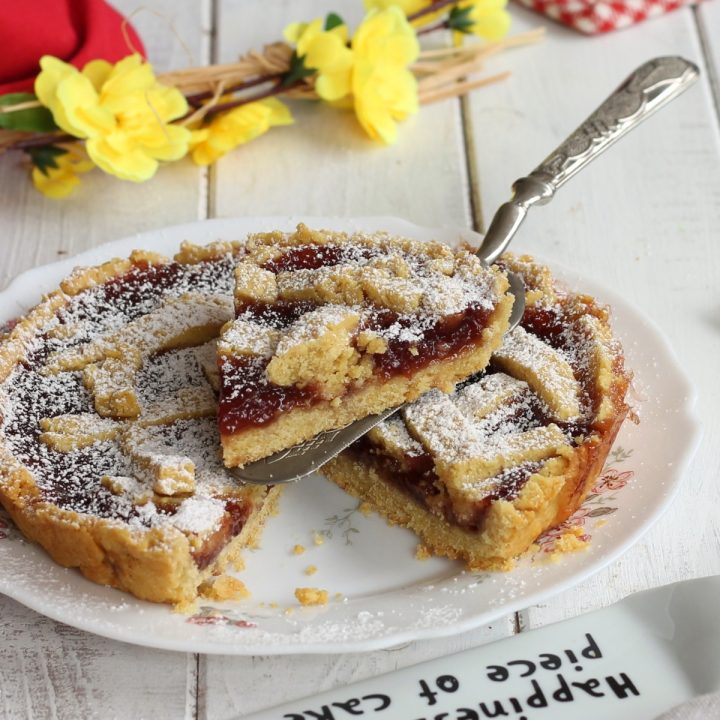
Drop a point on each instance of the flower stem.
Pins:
(444, 25)
(41, 140)
(276, 89)
(195, 98)
(437, 5)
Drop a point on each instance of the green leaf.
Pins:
(460, 20)
(38, 119)
(297, 70)
(45, 157)
(333, 20)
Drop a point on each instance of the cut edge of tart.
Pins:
(479, 474)
(332, 327)
(109, 450)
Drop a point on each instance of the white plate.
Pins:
(380, 594)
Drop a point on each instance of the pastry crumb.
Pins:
(289, 611)
(422, 552)
(185, 607)
(310, 569)
(365, 508)
(318, 538)
(274, 605)
(311, 596)
(224, 587)
(338, 596)
(569, 542)
(298, 549)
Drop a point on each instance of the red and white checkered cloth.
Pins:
(599, 16)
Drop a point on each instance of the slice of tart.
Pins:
(479, 474)
(330, 328)
(109, 451)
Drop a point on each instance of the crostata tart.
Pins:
(480, 473)
(110, 455)
(331, 327)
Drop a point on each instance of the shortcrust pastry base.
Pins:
(154, 565)
(548, 498)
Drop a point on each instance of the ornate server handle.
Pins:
(649, 88)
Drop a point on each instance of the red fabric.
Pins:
(75, 31)
(599, 16)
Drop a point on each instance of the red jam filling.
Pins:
(236, 515)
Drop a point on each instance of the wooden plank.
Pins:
(232, 686)
(36, 230)
(324, 165)
(50, 670)
(643, 220)
(707, 15)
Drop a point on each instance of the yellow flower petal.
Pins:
(236, 127)
(53, 72)
(60, 181)
(135, 165)
(81, 104)
(293, 32)
(311, 31)
(97, 72)
(56, 184)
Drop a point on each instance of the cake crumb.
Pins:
(365, 508)
(338, 596)
(311, 596)
(236, 561)
(310, 569)
(274, 605)
(422, 552)
(224, 587)
(298, 549)
(569, 542)
(289, 611)
(318, 538)
(185, 607)
(601, 522)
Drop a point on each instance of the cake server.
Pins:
(650, 87)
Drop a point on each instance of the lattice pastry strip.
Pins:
(393, 438)
(189, 402)
(480, 399)
(66, 433)
(167, 473)
(191, 319)
(549, 375)
(244, 337)
(317, 348)
(206, 357)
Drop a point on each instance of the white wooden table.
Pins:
(645, 221)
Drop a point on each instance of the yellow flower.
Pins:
(489, 19)
(60, 181)
(236, 127)
(121, 110)
(384, 90)
(327, 52)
